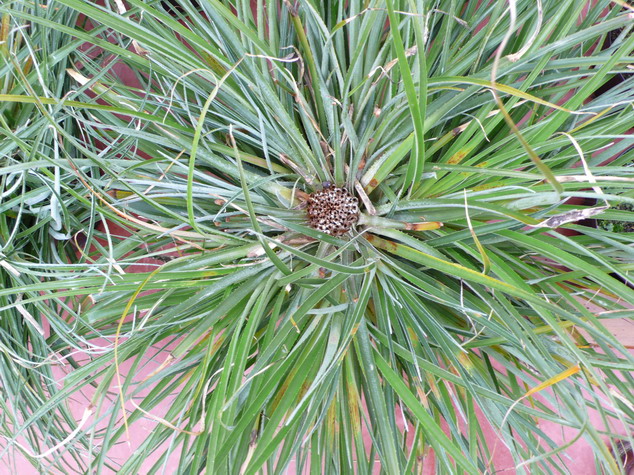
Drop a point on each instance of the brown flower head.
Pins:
(332, 210)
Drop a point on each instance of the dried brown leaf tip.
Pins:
(332, 210)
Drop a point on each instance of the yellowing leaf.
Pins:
(554, 380)
(458, 156)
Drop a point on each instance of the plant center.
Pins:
(332, 210)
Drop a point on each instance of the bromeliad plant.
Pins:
(358, 219)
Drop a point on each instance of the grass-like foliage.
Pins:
(188, 140)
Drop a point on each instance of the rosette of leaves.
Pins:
(462, 128)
